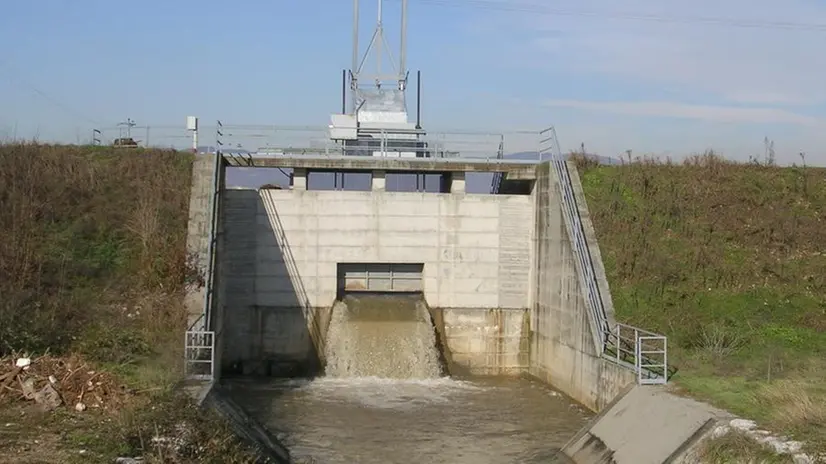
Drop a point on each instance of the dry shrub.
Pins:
(737, 448)
(794, 405)
(716, 342)
(85, 230)
(94, 262)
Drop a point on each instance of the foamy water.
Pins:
(381, 336)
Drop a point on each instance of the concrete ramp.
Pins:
(645, 425)
(250, 430)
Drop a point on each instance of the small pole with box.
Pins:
(192, 126)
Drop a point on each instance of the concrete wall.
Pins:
(197, 242)
(280, 249)
(645, 425)
(562, 346)
(486, 342)
(475, 248)
(257, 337)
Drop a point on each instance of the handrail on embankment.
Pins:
(643, 351)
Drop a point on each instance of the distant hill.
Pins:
(528, 155)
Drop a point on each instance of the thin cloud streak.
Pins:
(760, 65)
(725, 114)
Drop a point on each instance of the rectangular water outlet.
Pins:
(380, 277)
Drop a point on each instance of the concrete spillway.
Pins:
(381, 336)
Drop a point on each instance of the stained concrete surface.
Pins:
(645, 425)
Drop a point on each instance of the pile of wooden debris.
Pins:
(52, 382)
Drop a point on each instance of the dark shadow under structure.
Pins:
(270, 328)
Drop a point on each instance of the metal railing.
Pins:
(199, 355)
(644, 352)
(214, 207)
(496, 182)
(576, 233)
(274, 141)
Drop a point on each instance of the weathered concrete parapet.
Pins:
(197, 242)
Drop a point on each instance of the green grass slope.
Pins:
(729, 261)
(93, 266)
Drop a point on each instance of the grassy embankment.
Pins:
(93, 264)
(729, 261)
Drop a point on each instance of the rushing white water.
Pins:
(381, 336)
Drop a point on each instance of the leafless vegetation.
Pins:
(92, 269)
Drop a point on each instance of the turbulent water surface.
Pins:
(384, 400)
(414, 421)
(382, 336)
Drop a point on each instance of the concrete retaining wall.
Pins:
(562, 346)
(255, 434)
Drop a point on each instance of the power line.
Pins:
(16, 78)
(550, 11)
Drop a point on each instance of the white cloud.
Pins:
(727, 114)
(755, 65)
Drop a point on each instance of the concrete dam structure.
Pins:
(379, 299)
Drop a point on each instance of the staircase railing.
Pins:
(644, 352)
(496, 183)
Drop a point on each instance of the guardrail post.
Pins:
(637, 356)
(195, 344)
(665, 360)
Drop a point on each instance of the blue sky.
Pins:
(661, 87)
